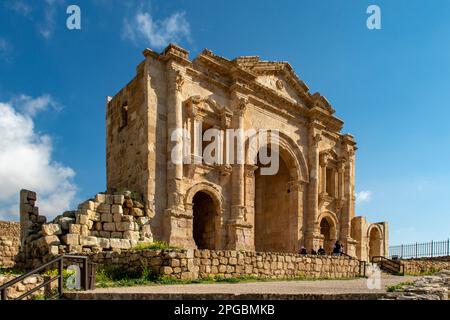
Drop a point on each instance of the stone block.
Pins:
(128, 203)
(100, 198)
(109, 226)
(106, 217)
(105, 234)
(81, 218)
(117, 235)
(132, 235)
(84, 230)
(104, 208)
(117, 217)
(104, 243)
(125, 226)
(98, 226)
(88, 241)
(166, 270)
(48, 241)
(120, 243)
(51, 229)
(71, 239)
(87, 205)
(119, 199)
(137, 212)
(116, 208)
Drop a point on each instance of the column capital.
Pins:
(298, 185)
(250, 170)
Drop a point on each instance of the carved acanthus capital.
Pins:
(225, 169)
(240, 107)
(250, 170)
(298, 185)
(324, 158)
(315, 139)
(341, 165)
(179, 81)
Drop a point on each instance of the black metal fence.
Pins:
(421, 250)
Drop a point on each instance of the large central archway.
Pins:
(272, 211)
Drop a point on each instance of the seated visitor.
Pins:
(337, 248)
(321, 251)
(303, 250)
(313, 251)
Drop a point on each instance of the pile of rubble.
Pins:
(435, 287)
(106, 223)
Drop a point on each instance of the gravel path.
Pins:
(271, 287)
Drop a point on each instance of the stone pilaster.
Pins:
(312, 234)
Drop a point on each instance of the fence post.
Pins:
(448, 247)
(416, 251)
(401, 251)
(60, 279)
(432, 245)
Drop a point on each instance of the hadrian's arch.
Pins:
(204, 203)
(278, 198)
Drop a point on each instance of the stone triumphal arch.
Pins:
(309, 201)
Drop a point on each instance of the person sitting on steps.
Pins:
(303, 250)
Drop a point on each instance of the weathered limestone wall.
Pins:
(9, 243)
(426, 265)
(107, 222)
(194, 264)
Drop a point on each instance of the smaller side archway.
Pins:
(375, 239)
(328, 227)
(204, 203)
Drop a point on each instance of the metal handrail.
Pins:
(390, 265)
(59, 277)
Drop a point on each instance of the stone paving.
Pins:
(323, 289)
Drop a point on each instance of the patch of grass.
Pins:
(158, 245)
(427, 272)
(11, 271)
(399, 286)
(117, 277)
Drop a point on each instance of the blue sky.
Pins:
(391, 86)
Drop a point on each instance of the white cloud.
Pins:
(26, 162)
(44, 19)
(19, 6)
(5, 50)
(31, 106)
(156, 33)
(363, 196)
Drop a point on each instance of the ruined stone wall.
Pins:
(426, 265)
(9, 243)
(107, 222)
(195, 264)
